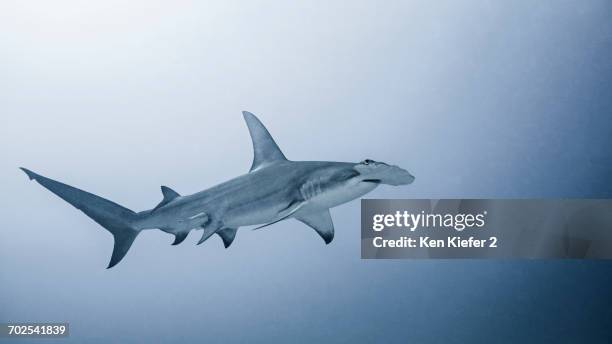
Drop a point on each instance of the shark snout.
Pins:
(409, 178)
(404, 177)
(384, 174)
(398, 176)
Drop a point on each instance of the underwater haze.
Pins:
(477, 99)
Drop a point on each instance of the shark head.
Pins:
(378, 172)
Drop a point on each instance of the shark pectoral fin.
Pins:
(169, 196)
(227, 235)
(265, 150)
(320, 222)
(208, 232)
(180, 237)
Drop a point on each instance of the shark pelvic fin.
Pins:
(227, 235)
(180, 237)
(320, 222)
(208, 232)
(265, 150)
(169, 196)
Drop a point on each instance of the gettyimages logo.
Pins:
(412, 221)
(486, 228)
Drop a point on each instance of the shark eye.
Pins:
(367, 162)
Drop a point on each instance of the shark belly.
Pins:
(254, 199)
(255, 211)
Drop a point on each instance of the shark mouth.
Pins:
(377, 181)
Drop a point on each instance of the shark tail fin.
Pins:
(119, 221)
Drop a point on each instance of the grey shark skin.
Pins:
(273, 190)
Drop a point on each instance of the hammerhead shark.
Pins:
(275, 189)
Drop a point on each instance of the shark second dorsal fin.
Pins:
(168, 193)
(169, 196)
(265, 150)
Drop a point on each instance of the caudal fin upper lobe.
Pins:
(116, 219)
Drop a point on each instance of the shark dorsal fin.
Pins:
(169, 196)
(168, 193)
(265, 150)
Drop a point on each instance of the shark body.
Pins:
(273, 190)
